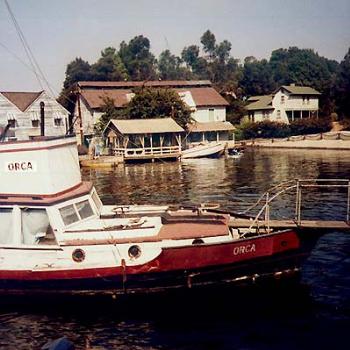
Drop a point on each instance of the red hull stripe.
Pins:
(180, 258)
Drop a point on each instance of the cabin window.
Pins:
(96, 200)
(84, 209)
(36, 226)
(6, 230)
(69, 215)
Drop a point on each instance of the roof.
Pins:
(300, 90)
(153, 83)
(263, 102)
(22, 99)
(95, 97)
(202, 96)
(145, 126)
(206, 96)
(210, 126)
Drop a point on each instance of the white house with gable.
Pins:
(206, 104)
(288, 103)
(21, 112)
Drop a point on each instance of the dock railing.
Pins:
(265, 201)
(147, 151)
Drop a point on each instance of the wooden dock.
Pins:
(291, 224)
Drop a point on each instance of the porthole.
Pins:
(134, 252)
(78, 255)
(197, 241)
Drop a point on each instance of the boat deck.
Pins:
(290, 224)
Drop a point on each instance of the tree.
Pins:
(257, 77)
(157, 103)
(109, 66)
(208, 41)
(342, 87)
(170, 68)
(137, 58)
(109, 112)
(77, 70)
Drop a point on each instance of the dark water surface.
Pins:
(312, 313)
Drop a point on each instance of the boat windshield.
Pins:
(75, 212)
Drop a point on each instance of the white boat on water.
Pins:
(210, 150)
(56, 236)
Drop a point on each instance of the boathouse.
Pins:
(144, 139)
(20, 114)
(206, 104)
(210, 132)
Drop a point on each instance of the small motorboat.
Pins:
(204, 150)
(235, 153)
(56, 236)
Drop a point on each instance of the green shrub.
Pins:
(310, 126)
(270, 129)
(265, 129)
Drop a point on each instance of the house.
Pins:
(142, 139)
(206, 104)
(21, 112)
(286, 104)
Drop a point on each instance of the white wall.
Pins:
(203, 114)
(24, 128)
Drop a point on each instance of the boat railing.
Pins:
(265, 201)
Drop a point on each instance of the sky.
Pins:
(58, 31)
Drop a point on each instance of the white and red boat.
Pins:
(56, 235)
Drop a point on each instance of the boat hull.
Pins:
(204, 151)
(182, 267)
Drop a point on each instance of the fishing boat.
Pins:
(204, 150)
(56, 236)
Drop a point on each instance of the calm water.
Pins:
(312, 313)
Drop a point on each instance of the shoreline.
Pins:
(339, 145)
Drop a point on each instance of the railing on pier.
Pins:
(148, 152)
(265, 201)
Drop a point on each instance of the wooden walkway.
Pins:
(286, 224)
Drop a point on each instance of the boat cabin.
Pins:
(142, 139)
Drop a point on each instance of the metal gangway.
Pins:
(262, 222)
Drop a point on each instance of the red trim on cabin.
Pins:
(46, 199)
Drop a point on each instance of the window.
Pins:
(266, 114)
(211, 114)
(84, 209)
(69, 215)
(35, 123)
(74, 212)
(12, 123)
(282, 99)
(96, 200)
(36, 227)
(58, 121)
(6, 231)
(278, 114)
(308, 100)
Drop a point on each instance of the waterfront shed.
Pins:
(137, 139)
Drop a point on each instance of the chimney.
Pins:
(42, 118)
